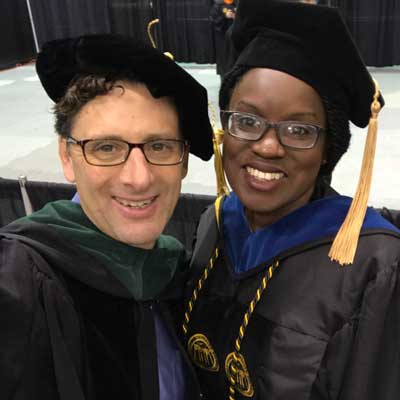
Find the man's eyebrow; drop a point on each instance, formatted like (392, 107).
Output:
(162, 135)
(106, 136)
(152, 136)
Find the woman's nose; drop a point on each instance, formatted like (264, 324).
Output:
(269, 146)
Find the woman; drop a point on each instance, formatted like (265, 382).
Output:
(271, 313)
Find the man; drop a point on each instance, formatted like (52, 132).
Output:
(86, 288)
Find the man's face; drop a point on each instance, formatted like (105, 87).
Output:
(131, 202)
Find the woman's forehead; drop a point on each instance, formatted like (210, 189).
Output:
(259, 85)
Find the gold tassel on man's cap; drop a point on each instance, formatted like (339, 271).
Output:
(344, 247)
(153, 43)
(222, 187)
(218, 134)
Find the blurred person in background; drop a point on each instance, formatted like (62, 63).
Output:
(222, 15)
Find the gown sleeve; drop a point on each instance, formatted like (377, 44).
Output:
(17, 316)
(362, 359)
(39, 331)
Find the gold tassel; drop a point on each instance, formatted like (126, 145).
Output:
(149, 26)
(153, 43)
(169, 55)
(218, 134)
(344, 246)
(222, 187)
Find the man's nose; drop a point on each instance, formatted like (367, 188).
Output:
(137, 171)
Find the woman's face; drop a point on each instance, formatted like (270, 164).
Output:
(271, 180)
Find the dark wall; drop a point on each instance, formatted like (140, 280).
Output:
(375, 25)
(184, 27)
(55, 19)
(17, 43)
(182, 224)
(131, 17)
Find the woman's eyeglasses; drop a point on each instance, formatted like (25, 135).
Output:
(291, 134)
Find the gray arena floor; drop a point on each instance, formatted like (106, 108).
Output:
(28, 141)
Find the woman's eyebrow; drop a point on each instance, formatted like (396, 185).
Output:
(254, 107)
(247, 105)
(300, 114)
(303, 114)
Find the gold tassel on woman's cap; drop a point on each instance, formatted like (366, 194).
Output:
(344, 246)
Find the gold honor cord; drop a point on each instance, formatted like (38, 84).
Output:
(235, 364)
(197, 289)
(200, 348)
(204, 276)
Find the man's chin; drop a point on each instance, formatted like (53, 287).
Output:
(138, 239)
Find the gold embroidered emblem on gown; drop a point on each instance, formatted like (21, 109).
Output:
(202, 353)
(238, 375)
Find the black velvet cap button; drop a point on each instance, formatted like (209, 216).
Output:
(119, 57)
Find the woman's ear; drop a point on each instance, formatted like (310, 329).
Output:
(327, 144)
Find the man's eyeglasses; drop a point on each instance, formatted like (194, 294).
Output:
(109, 152)
(291, 134)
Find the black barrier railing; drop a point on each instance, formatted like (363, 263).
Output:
(182, 224)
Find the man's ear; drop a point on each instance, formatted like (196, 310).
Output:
(66, 160)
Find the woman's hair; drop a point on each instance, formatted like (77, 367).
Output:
(337, 126)
(338, 135)
(80, 91)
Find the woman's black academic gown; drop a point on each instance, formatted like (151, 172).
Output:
(303, 327)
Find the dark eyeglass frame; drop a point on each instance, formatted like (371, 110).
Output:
(267, 125)
(82, 144)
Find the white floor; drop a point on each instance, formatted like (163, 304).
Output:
(28, 141)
